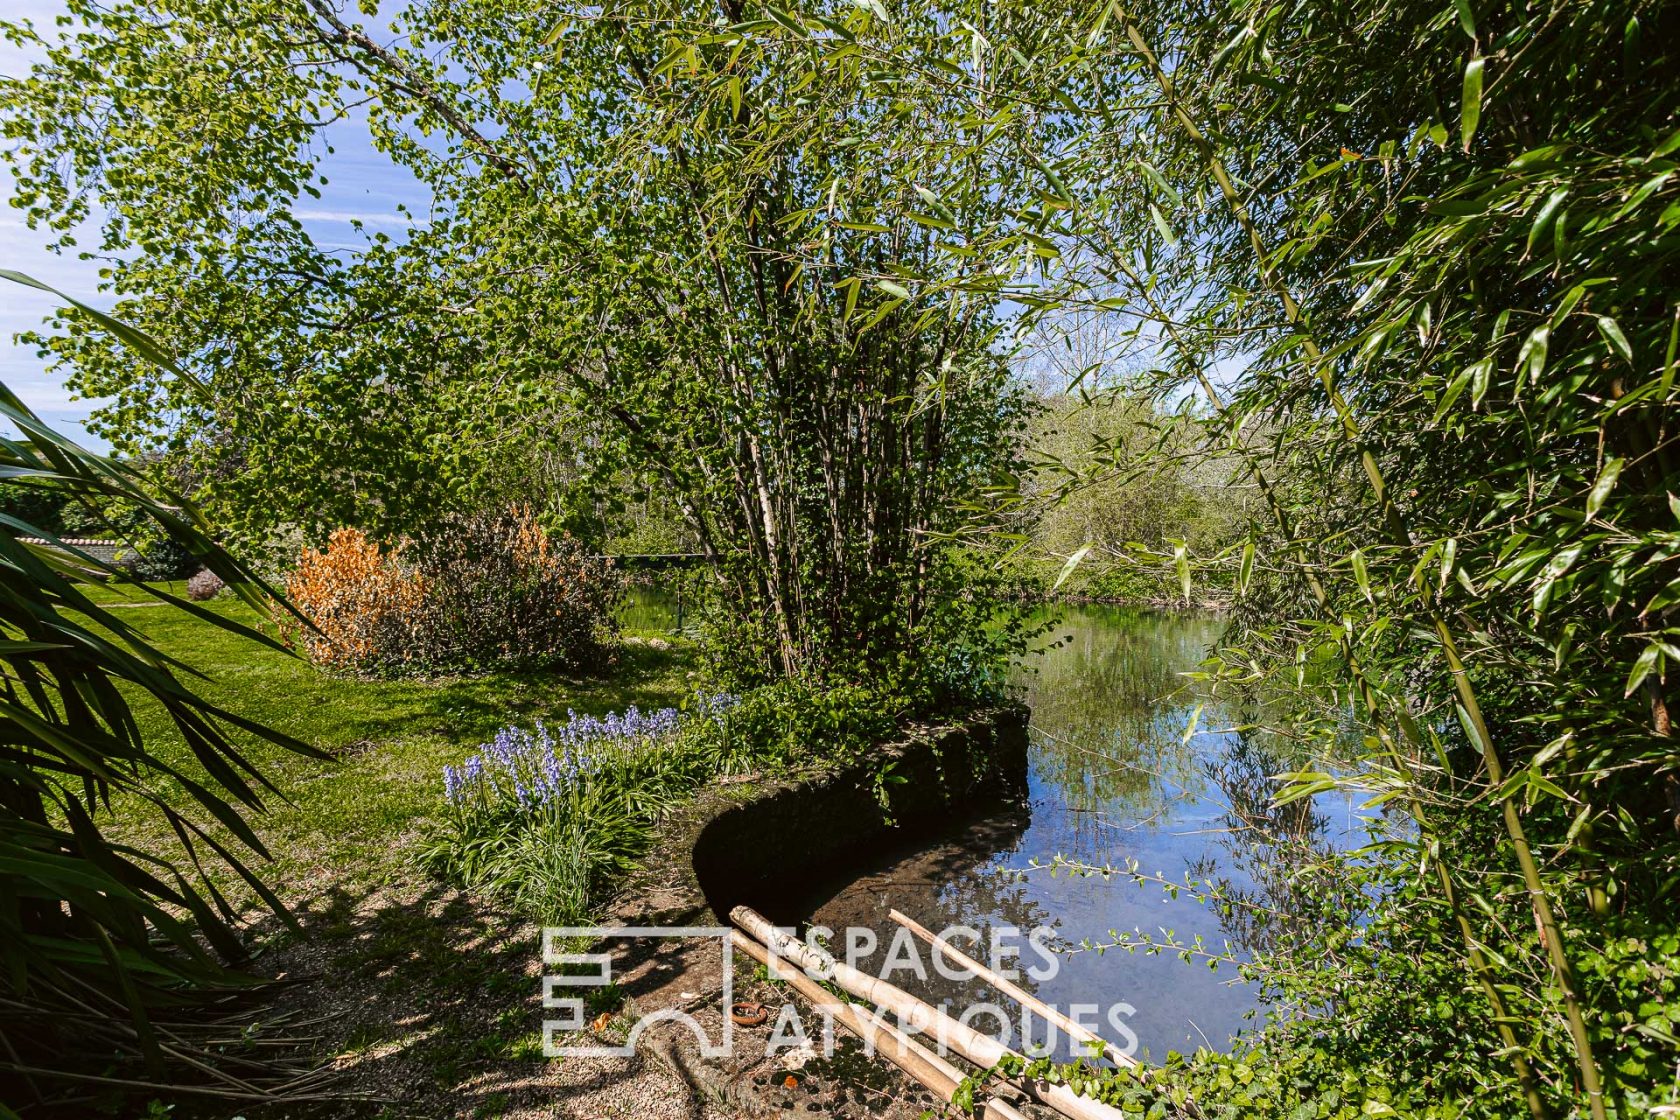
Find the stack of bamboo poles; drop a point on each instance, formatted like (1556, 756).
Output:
(760, 940)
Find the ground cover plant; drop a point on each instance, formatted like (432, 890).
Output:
(550, 816)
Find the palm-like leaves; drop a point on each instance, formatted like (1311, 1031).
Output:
(96, 938)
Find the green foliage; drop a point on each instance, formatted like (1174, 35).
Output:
(149, 553)
(1442, 392)
(698, 306)
(1145, 481)
(955, 655)
(1412, 260)
(1415, 261)
(303, 412)
(550, 818)
(1452, 501)
(790, 723)
(106, 948)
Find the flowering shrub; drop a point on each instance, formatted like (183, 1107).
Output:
(547, 814)
(204, 585)
(537, 766)
(502, 592)
(365, 603)
(481, 592)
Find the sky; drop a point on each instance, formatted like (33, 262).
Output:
(362, 183)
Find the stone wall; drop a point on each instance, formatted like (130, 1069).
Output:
(735, 840)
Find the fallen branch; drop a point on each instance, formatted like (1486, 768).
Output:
(1027, 999)
(922, 1065)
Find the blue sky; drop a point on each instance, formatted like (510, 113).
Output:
(362, 184)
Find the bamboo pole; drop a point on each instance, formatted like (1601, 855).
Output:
(922, 1065)
(1009, 988)
(1550, 936)
(981, 1049)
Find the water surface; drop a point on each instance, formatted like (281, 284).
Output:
(1113, 777)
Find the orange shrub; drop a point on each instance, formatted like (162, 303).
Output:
(481, 591)
(365, 604)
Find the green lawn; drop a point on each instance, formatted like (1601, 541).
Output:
(424, 997)
(359, 817)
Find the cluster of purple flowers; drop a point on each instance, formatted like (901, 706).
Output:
(533, 766)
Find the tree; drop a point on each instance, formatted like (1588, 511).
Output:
(724, 307)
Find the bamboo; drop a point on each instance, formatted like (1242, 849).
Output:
(1479, 963)
(1551, 937)
(1008, 987)
(922, 1065)
(981, 1049)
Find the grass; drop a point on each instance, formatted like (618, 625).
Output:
(362, 814)
(423, 994)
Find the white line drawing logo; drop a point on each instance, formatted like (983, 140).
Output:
(572, 1006)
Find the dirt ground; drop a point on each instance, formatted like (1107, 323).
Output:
(427, 1003)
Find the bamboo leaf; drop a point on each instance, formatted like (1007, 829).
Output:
(1543, 219)
(1649, 661)
(1361, 575)
(1531, 356)
(1472, 101)
(1480, 374)
(1072, 563)
(1190, 727)
(1613, 335)
(1161, 226)
(1466, 19)
(1601, 489)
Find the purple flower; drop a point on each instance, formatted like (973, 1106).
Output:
(543, 764)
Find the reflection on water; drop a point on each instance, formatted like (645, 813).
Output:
(1113, 777)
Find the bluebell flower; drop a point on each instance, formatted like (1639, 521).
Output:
(542, 764)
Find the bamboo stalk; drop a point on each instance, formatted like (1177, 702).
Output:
(1479, 962)
(922, 1065)
(1008, 987)
(1562, 969)
(981, 1049)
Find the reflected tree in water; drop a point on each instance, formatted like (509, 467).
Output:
(1279, 881)
(1110, 704)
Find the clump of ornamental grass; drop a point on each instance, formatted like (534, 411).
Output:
(549, 815)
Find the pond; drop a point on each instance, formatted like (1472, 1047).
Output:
(1113, 776)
